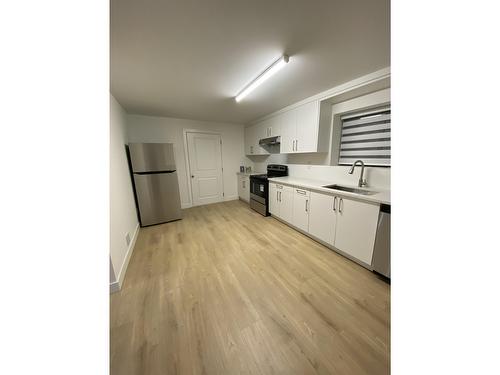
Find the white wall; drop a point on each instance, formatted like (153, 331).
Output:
(123, 215)
(165, 129)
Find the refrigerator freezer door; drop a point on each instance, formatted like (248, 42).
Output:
(152, 157)
(157, 197)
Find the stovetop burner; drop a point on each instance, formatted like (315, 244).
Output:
(273, 170)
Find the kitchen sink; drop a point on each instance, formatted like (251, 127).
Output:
(350, 189)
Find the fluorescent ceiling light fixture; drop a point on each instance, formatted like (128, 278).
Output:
(274, 68)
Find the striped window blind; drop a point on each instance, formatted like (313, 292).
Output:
(366, 136)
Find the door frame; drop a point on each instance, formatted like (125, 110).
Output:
(188, 165)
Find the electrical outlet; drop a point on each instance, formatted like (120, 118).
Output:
(127, 238)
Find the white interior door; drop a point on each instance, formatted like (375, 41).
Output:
(205, 165)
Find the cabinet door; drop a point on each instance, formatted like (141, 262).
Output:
(307, 127)
(274, 127)
(266, 128)
(323, 216)
(248, 141)
(262, 129)
(286, 203)
(356, 228)
(301, 209)
(246, 188)
(240, 187)
(287, 125)
(259, 133)
(273, 200)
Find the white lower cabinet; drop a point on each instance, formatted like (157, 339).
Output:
(244, 187)
(346, 224)
(323, 217)
(281, 201)
(286, 203)
(273, 199)
(356, 228)
(300, 214)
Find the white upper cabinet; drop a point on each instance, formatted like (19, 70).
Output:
(261, 130)
(300, 128)
(273, 127)
(307, 121)
(288, 131)
(248, 141)
(253, 134)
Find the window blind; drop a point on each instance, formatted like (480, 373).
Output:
(366, 136)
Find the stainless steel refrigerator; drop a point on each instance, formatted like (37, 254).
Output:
(155, 182)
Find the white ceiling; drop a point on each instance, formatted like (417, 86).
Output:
(189, 58)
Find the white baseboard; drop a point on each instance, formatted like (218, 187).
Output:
(186, 205)
(231, 198)
(117, 285)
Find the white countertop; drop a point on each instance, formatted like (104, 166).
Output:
(382, 196)
(249, 173)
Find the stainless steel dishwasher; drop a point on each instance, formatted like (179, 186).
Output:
(381, 261)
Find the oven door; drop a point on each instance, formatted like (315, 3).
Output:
(258, 190)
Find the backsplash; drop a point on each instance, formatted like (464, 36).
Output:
(315, 167)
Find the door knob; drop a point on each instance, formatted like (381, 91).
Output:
(192, 176)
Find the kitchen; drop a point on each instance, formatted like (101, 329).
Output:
(215, 187)
(259, 211)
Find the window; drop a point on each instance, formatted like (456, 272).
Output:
(366, 136)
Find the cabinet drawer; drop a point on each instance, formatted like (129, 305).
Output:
(284, 187)
(300, 191)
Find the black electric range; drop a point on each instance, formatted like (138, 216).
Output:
(259, 187)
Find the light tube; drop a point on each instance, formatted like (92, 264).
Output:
(274, 68)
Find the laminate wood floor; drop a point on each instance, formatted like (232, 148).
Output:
(227, 291)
